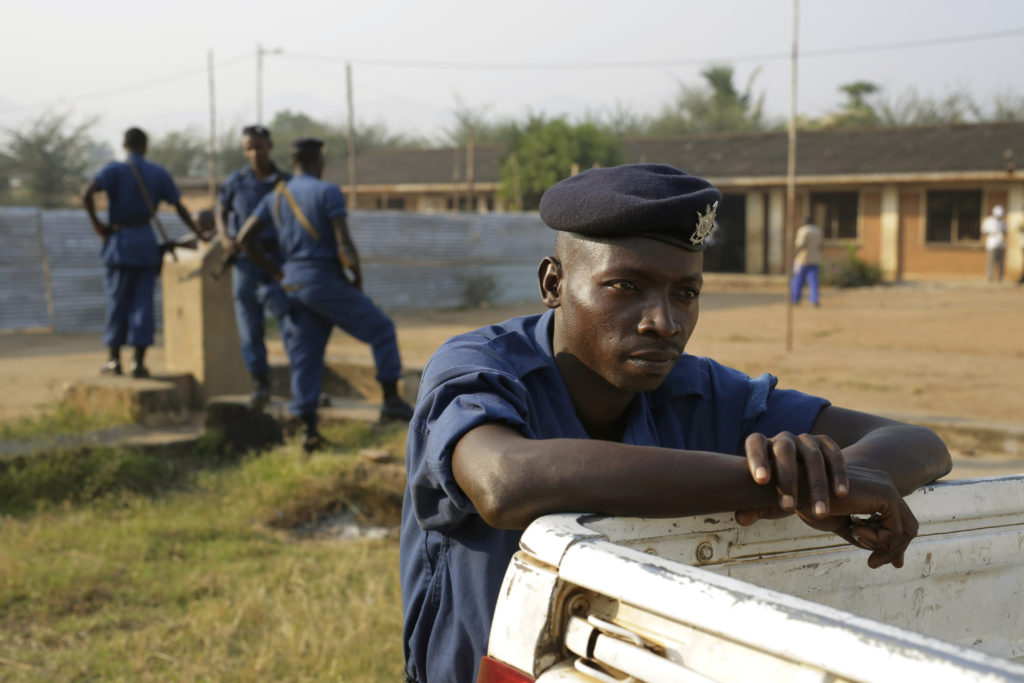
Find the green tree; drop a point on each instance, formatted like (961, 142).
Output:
(542, 152)
(856, 110)
(182, 152)
(716, 107)
(914, 109)
(51, 158)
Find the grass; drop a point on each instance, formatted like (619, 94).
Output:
(62, 419)
(196, 576)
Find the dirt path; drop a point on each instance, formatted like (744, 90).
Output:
(952, 350)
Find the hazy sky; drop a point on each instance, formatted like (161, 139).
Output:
(143, 63)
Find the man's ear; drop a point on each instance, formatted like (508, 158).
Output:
(549, 277)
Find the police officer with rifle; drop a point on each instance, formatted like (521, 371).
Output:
(131, 254)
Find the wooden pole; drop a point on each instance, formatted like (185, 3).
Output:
(352, 183)
(791, 180)
(469, 167)
(259, 83)
(516, 184)
(213, 132)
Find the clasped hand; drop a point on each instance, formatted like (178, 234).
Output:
(814, 481)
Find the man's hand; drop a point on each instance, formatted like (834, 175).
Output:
(886, 534)
(809, 461)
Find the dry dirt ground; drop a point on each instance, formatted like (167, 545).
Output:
(948, 350)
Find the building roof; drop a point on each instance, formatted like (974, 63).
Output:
(961, 148)
(418, 166)
(862, 151)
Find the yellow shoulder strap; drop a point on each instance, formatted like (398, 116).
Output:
(281, 189)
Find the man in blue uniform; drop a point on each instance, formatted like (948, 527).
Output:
(241, 192)
(130, 253)
(593, 406)
(323, 280)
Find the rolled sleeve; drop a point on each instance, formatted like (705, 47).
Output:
(335, 202)
(444, 414)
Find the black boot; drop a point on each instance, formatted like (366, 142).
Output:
(311, 439)
(112, 366)
(395, 409)
(260, 392)
(138, 363)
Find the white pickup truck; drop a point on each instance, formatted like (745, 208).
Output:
(594, 598)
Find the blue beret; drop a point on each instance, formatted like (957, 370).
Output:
(306, 144)
(636, 200)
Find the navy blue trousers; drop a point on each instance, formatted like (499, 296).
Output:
(129, 306)
(808, 274)
(249, 315)
(315, 310)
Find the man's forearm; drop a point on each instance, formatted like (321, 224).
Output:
(513, 486)
(186, 218)
(913, 456)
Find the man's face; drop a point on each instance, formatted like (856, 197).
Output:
(626, 309)
(257, 151)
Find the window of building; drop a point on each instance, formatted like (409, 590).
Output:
(954, 216)
(836, 214)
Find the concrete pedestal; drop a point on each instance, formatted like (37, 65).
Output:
(200, 337)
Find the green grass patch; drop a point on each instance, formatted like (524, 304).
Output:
(203, 580)
(62, 419)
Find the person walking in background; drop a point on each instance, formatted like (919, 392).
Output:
(130, 252)
(323, 279)
(806, 262)
(993, 229)
(241, 192)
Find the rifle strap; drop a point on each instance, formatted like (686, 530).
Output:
(146, 198)
(281, 189)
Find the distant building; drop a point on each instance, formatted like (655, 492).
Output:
(909, 199)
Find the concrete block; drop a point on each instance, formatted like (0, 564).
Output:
(152, 402)
(200, 337)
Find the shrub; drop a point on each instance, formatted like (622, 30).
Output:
(852, 271)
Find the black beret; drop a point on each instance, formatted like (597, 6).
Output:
(256, 131)
(303, 144)
(635, 200)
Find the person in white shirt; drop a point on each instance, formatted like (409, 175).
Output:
(993, 229)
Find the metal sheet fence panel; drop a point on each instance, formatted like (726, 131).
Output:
(22, 286)
(409, 261)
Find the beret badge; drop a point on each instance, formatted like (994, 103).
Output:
(705, 224)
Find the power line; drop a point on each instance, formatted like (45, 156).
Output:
(647, 64)
(145, 85)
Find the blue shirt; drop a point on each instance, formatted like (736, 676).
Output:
(134, 244)
(452, 562)
(242, 192)
(305, 256)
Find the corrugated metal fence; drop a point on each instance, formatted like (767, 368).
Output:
(51, 277)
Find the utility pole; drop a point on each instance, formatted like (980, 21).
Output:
(352, 184)
(260, 52)
(791, 181)
(213, 131)
(470, 144)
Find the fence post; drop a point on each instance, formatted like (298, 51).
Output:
(44, 261)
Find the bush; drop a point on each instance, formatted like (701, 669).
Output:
(852, 271)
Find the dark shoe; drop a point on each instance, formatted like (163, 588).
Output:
(395, 409)
(139, 370)
(111, 367)
(312, 441)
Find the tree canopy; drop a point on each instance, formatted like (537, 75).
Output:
(542, 152)
(51, 158)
